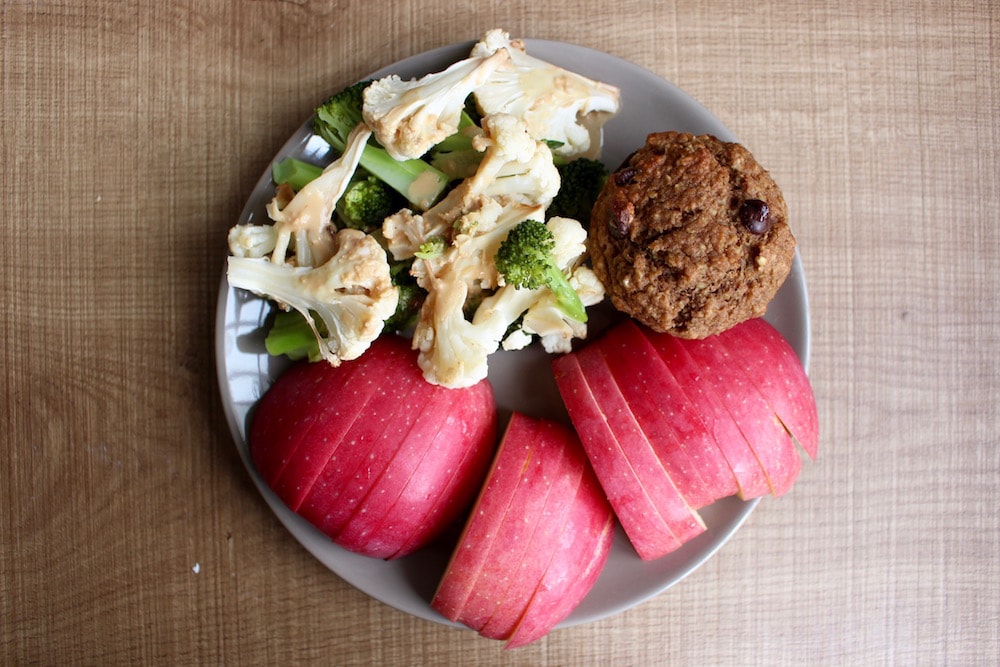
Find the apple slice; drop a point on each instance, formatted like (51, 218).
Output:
(516, 532)
(673, 426)
(511, 564)
(650, 474)
(453, 474)
(491, 506)
(344, 394)
(770, 364)
(690, 376)
(545, 538)
(366, 448)
(378, 402)
(756, 420)
(393, 508)
(574, 566)
(638, 514)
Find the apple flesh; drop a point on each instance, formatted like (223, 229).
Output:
(361, 454)
(513, 568)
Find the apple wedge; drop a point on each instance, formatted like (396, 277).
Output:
(674, 427)
(573, 568)
(756, 420)
(494, 501)
(527, 524)
(367, 447)
(750, 476)
(770, 365)
(374, 418)
(650, 473)
(637, 512)
(544, 540)
(393, 514)
(508, 557)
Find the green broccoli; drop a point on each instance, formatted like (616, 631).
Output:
(295, 172)
(455, 155)
(366, 203)
(290, 335)
(416, 180)
(581, 182)
(525, 259)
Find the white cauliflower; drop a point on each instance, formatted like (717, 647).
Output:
(515, 169)
(556, 105)
(302, 224)
(454, 349)
(351, 292)
(408, 117)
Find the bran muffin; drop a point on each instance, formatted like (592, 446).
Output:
(690, 235)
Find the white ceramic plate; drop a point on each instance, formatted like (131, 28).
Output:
(521, 380)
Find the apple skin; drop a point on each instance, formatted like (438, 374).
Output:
(513, 567)
(376, 415)
(672, 424)
(729, 401)
(649, 472)
(770, 365)
(646, 529)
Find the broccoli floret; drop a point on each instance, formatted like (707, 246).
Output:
(581, 181)
(366, 203)
(416, 180)
(525, 260)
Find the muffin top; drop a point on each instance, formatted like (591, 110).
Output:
(690, 235)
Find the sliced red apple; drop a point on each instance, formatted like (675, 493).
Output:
(516, 531)
(366, 428)
(366, 448)
(770, 365)
(650, 474)
(391, 510)
(647, 531)
(491, 506)
(507, 559)
(548, 530)
(690, 376)
(573, 568)
(756, 420)
(674, 427)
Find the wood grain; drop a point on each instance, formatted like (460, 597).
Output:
(133, 132)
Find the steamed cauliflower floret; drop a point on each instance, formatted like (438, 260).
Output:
(556, 104)
(515, 169)
(302, 224)
(538, 309)
(408, 117)
(454, 349)
(352, 292)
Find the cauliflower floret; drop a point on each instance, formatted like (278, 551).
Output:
(352, 292)
(556, 104)
(409, 116)
(515, 169)
(303, 222)
(454, 350)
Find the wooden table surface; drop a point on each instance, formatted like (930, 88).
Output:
(134, 132)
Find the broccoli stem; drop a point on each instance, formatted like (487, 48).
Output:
(417, 180)
(290, 335)
(295, 173)
(569, 300)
